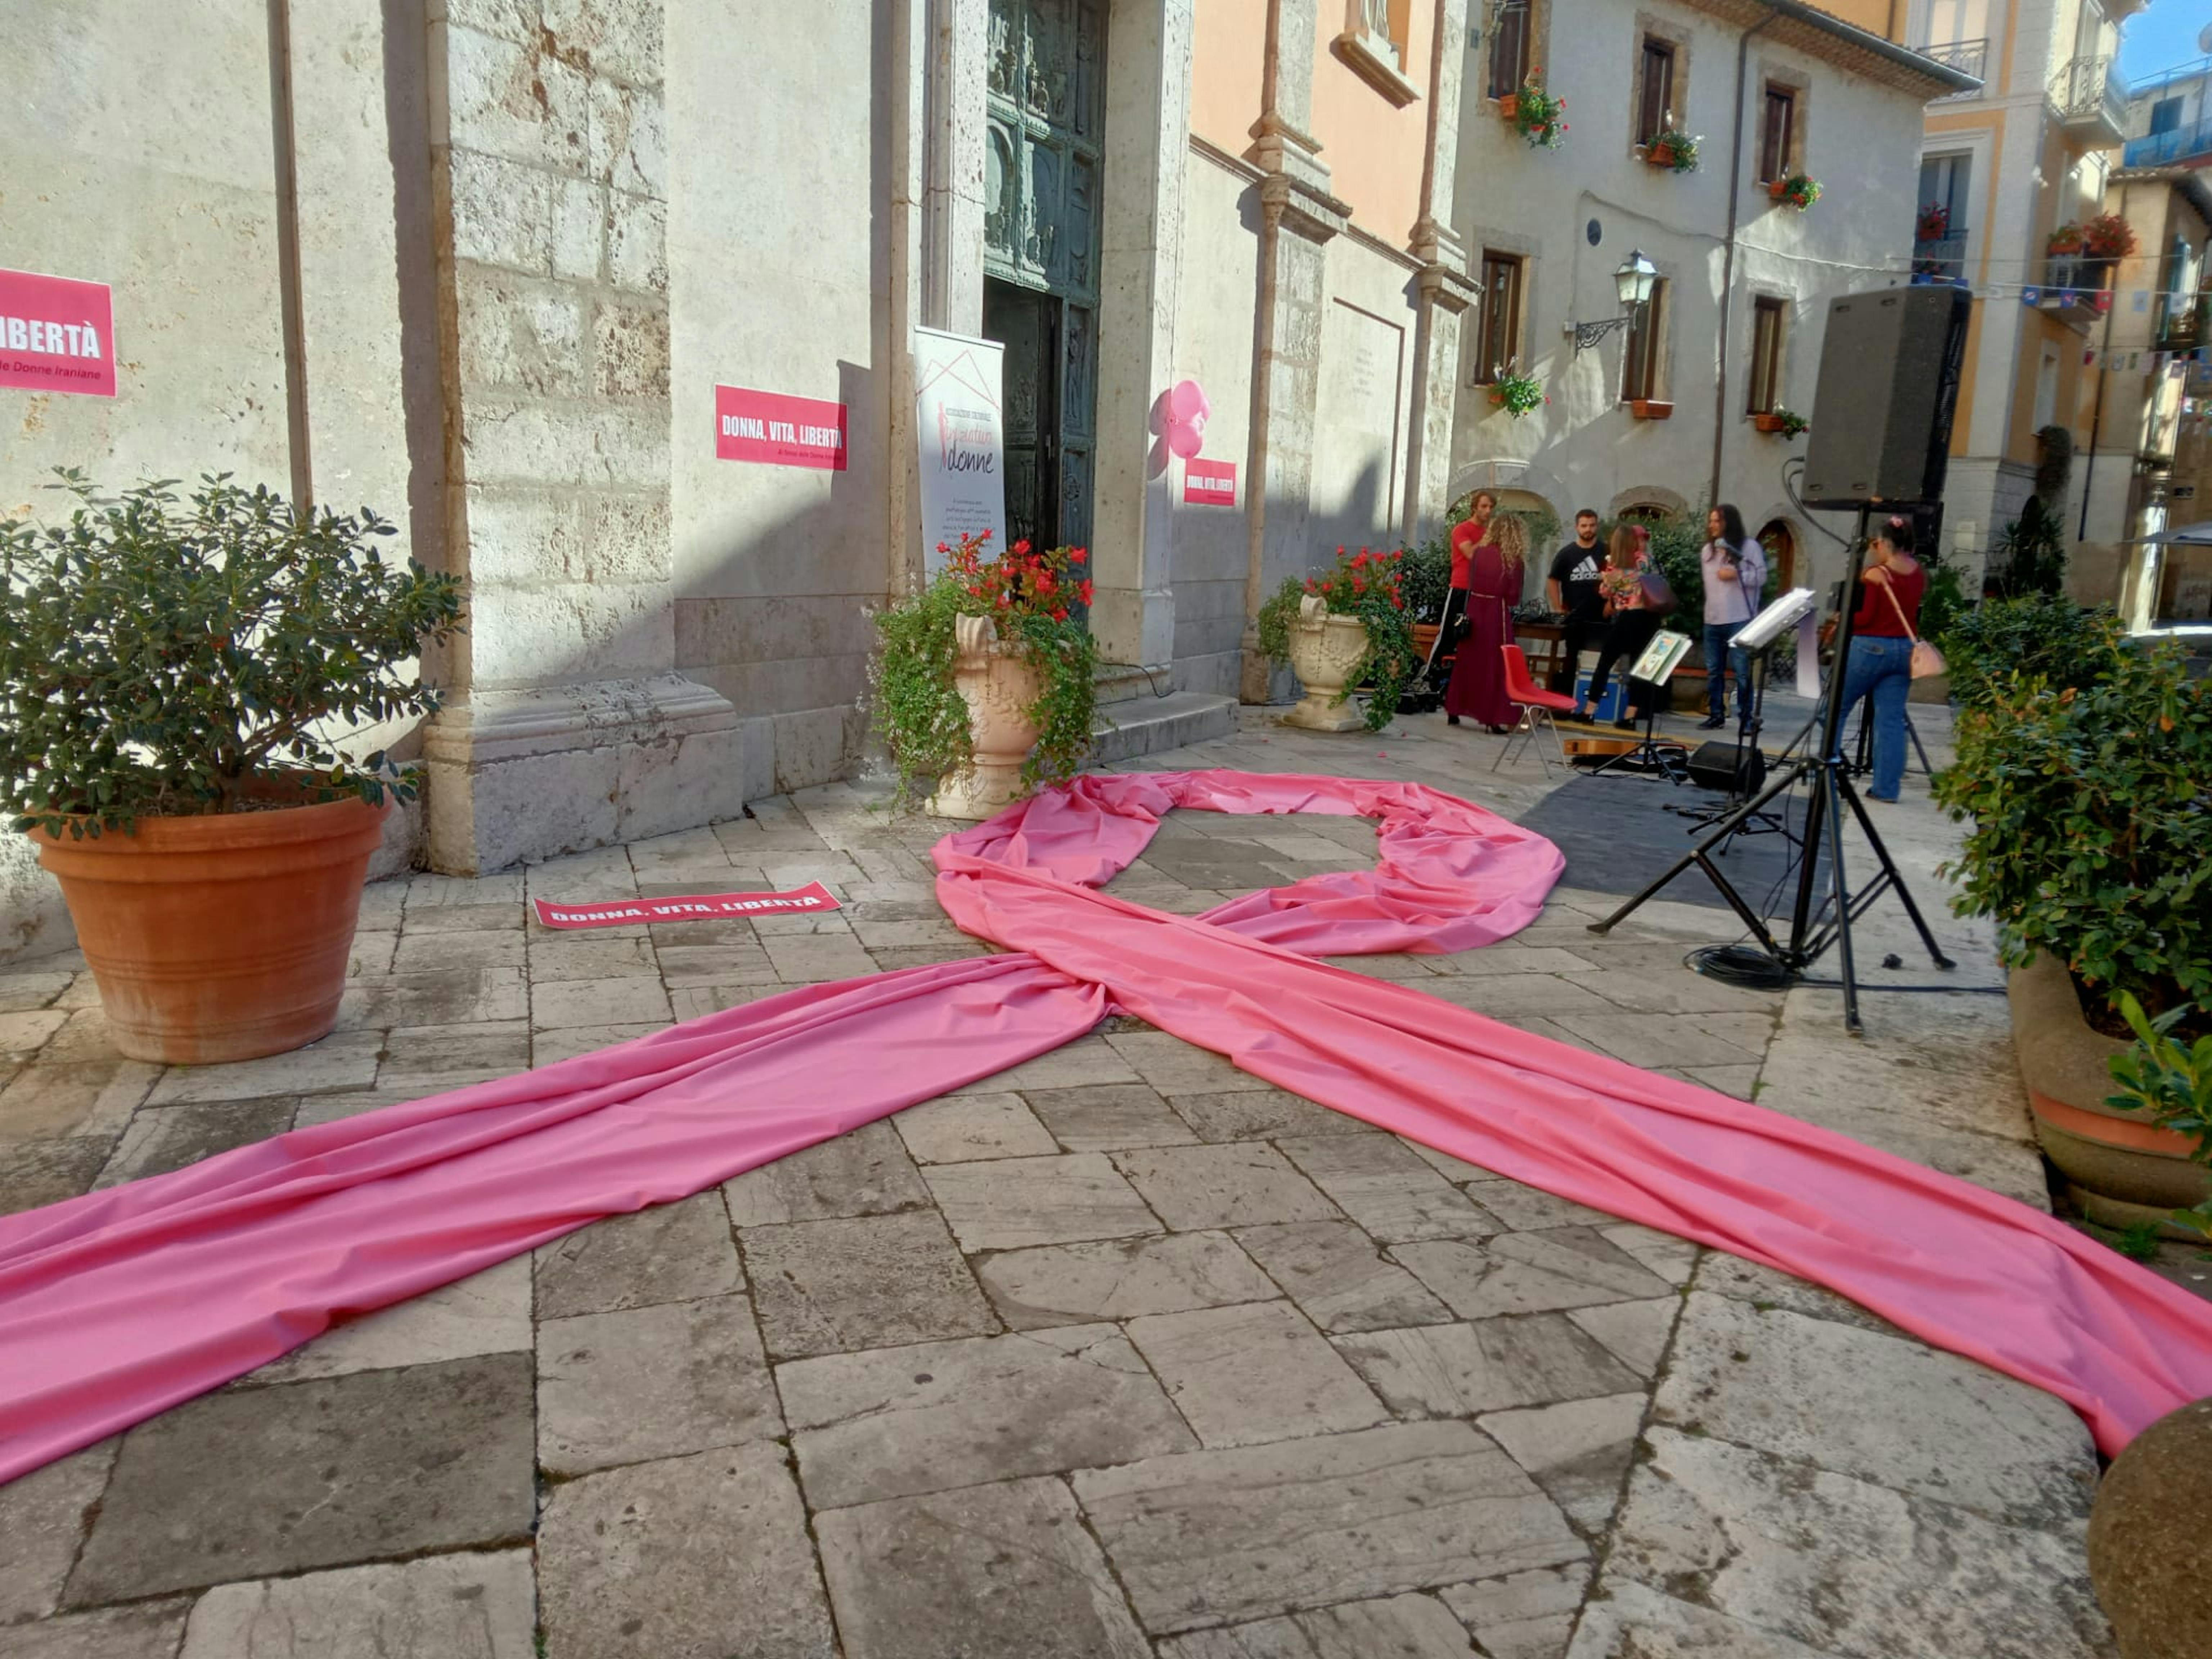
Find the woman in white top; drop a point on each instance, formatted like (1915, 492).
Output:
(1735, 569)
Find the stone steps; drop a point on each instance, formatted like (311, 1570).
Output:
(1131, 727)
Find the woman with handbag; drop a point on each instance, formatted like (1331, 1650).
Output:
(1637, 599)
(1486, 585)
(1883, 667)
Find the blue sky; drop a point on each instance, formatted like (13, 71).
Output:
(2162, 36)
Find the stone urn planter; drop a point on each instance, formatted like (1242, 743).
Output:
(2120, 1168)
(222, 937)
(1000, 689)
(2147, 1556)
(1325, 649)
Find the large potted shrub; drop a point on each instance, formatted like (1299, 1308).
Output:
(986, 680)
(1346, 628)
(178, 678)
(2087, 789)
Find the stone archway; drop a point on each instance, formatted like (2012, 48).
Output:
(1649, 498)
(1784, 542)
(1507, 475)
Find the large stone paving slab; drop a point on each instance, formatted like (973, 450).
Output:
(1119, 1278)
(696, 1558)
(669, 1253)
(488, 1312)
(43, 1516)
(1224, 1537)
(1529, 1273)
(648, 1383)
(865, 1172)
(149, 1631)
(240, 1484)
(897, 1422)
(1258, 1372)
(1389, 1192)
(1847, 1567)
(1243, 1184)
(1012, 1203)
(1884, 1408)
(864, 1282)
(1487, 1365)
(1004, 1572)
(455, 1606)
(1336, 1273)
(1399, 1627)
(1578, 1450)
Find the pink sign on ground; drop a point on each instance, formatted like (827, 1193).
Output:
(768, 427)
(704, 907)
(1209, 483)
(57, 334)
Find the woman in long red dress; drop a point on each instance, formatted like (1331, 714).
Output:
(1486, 583)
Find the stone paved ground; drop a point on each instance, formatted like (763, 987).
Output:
(1119, 1354)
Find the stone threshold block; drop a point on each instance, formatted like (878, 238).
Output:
(532, 774)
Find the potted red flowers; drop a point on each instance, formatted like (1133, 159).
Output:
(1934, 223)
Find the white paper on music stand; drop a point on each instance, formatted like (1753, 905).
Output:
(1661, 658)
(1799, 606)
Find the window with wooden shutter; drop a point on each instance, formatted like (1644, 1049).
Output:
(1498, 341)
(1509, 49)
(1641, 371)
(1778, 134)
(1768, 320)
(1656, 93)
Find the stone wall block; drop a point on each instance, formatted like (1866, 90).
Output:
(630, 351)
(513, 101)
(566, 443)
(618, 40)
(522, 536)
(536, 807)
(519, 335)
(678, 782)
(579, 232)
(503, 213)
(510, 20)
(627, 538)
(569, 634)
(630, 139)
(637, 238)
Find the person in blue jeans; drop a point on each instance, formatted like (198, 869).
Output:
(1735, 569)
(1881, 666)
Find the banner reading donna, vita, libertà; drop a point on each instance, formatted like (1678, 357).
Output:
(960, 431)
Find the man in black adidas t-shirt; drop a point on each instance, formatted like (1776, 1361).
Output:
(1573, 588)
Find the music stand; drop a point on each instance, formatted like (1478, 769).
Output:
(1758, 637)
(1655, 666)
(1772, 964)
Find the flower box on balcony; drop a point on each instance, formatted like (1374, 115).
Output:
(1509, 107)
(1649, 409)
(1767, 422)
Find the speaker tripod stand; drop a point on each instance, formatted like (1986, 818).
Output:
(1771, 963)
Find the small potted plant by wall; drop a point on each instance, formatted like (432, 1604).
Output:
(1785, 422)
(2081, 760)
(1934, 223)
(986, 680)
(1534, 114)
(1672, 151)
(1516, 394)
(1796, 191)
(178, 679)
(1345, 627)
(2105, 240)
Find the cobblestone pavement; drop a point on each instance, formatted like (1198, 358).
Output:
(1119, 1354)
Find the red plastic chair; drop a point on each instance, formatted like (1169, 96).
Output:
(1535, 703)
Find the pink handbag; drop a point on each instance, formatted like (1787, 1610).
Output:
(1927, 661)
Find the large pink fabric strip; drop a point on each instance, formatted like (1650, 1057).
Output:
(117, 1304)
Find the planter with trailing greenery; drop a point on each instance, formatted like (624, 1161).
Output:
(1348, 627)
(1796, 191)
(177, 677)
(1517, 394)
(1672, 151)
(1535, 114)
(985, 681)
(1782, 423)
(2083, 761)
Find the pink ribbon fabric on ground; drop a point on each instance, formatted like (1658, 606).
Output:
(119, 1304)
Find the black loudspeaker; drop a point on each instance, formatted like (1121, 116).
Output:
(1889, 383)
(1713, 766)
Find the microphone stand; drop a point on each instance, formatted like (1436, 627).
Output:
(1771, 963)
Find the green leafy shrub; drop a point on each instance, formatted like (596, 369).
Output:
(1538, 116)
(1943, 602)
(2091, 823)
(1517, 394)
(1371, 587)
(2171, 1084)
(1423, 578)
(161, 656)
(2040, 637)
(2032, 554)
(1031, 598)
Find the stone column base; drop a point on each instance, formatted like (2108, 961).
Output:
(516, 776)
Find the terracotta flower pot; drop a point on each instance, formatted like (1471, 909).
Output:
(1508, 106)
(1775, 187)
(2122, 1169)
(1000, 689)
(1766, 422)
(222, 937)
(1324, 650)
(1649, 409)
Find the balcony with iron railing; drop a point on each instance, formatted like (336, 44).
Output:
(2091, 102)
(2176, 147)
(1941, 256)
(1968, 57)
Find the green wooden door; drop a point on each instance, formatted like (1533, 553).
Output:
(1047, 109)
